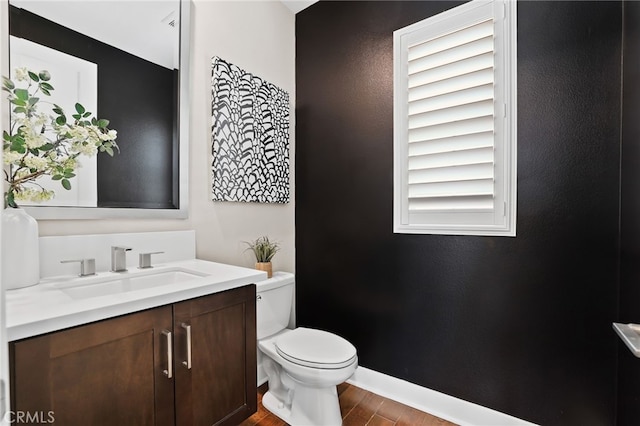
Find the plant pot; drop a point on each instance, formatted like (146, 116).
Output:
(265, 266)
(20, 249)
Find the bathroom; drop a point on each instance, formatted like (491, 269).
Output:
(519, 325)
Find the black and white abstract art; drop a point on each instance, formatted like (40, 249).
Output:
(250, 137)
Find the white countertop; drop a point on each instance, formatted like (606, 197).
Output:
(46, 307)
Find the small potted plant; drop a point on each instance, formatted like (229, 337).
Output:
(264, 250)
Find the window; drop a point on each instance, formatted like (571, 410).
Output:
(455, 122)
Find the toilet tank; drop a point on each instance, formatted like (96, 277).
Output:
(274, 301)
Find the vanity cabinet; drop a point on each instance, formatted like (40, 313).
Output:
(105, 373)
(215, 341)
(190, 363)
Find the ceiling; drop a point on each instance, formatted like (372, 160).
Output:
(140, 27)
(130, 25)
(297, 5)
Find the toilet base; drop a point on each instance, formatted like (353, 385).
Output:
(310, 406)
(276, 407)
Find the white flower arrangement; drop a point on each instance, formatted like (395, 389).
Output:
(39, 144)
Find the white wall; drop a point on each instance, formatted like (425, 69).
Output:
(260, 38)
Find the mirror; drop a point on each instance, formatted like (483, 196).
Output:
(139, 52)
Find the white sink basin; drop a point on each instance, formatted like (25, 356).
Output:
(97, 287)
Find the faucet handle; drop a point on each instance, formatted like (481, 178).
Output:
(87, 266)
(144, 259)
(113, 248)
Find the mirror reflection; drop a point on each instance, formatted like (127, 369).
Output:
(121, 61)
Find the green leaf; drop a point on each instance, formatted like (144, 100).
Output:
(22, 94)
(61, 120)
(44, 75)
(109, 151)
(56, 177)
(20, 102)
(19, 110)
(44, 85)
(8, 84)
(66, 184)
(10, 200)
(33, 76)
(102, 123)
(46, 92)
(6, 136)
(18, 148)
(86, 114)
(77, 116)
(80, 108)
(58, 110)
(17, 145)
(33, 101)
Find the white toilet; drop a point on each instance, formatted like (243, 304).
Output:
(303, 365)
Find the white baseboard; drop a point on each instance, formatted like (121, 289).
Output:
(438, 404)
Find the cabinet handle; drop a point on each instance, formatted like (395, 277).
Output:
(169, 371)
(187, 363)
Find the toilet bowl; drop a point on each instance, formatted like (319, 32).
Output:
(303, 365)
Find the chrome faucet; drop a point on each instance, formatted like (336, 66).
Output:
(119, 258)
(87, 266)
(144, 259)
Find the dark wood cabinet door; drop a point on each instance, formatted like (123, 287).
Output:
(105, 373)
(220, 386)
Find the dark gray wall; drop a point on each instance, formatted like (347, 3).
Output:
(629, 366)
(521, 325)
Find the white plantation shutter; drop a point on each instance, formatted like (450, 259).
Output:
(451, 125)
(453, 171)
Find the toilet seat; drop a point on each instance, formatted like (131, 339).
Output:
(315, 348)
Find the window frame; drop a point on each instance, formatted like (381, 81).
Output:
(502, 220)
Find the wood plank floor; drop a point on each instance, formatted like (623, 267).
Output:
(359, 408)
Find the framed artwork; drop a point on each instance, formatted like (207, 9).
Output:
(250, 137)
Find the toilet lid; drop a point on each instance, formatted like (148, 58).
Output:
(315, 348)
